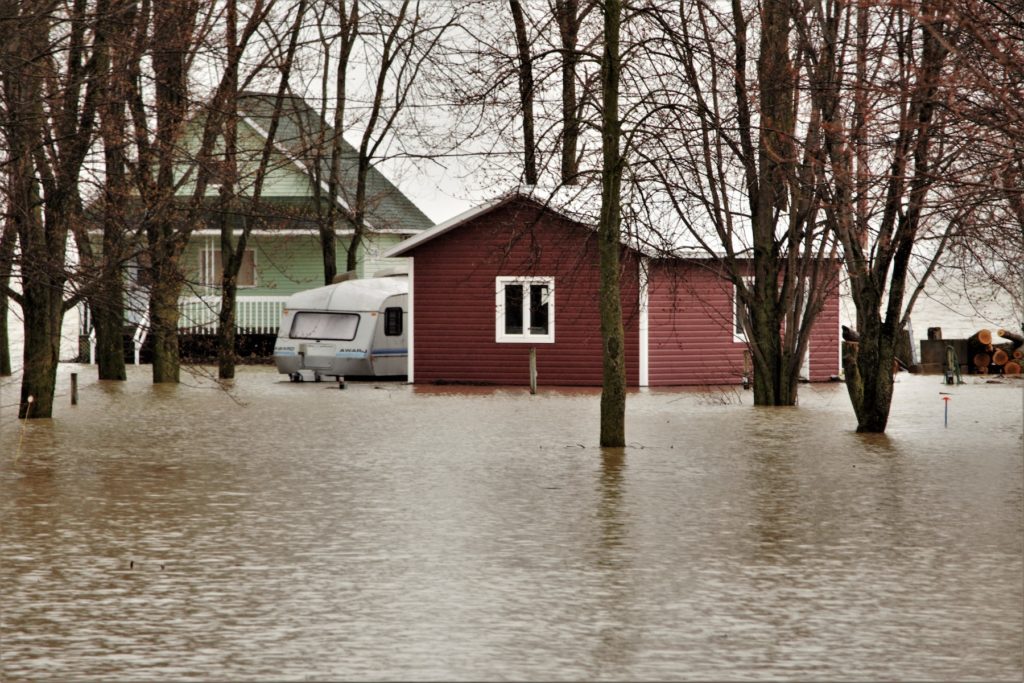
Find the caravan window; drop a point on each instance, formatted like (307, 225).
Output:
(338, 326)
(392, 321)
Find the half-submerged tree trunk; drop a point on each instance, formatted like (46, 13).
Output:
(867, 365)
(613, 391)
(107, 304)
(48, 133)
(232, 252)
(878, 263)
(774, 384)
(107, 309)
(163, 316)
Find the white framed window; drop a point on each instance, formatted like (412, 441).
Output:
(211, 268)
(739, 312)
(525, 310)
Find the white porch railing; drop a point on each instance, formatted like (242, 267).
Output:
(253, 314)
(198, 315)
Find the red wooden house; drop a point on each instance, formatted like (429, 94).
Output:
(515, 274)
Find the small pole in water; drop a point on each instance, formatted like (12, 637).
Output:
(945, 419)
(74, 388)
(533, 370)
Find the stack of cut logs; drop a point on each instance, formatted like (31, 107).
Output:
(988, 359)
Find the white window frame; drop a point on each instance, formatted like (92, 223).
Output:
(210, 276)
(738, 334)
(526, 336)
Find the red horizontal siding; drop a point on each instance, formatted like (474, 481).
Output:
(690, 309)
(454, 303)
(825, 346)
(690, 323)
(690, 339)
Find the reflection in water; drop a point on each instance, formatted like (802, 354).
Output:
(613, 461)
(394, 532)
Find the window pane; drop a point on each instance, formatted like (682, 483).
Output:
(538, 309)
(513, 309)
(739, 315)
(340, 326)
(392, 321)
(211, 268)
(247, 270)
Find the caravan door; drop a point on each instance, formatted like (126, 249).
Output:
(389, 353)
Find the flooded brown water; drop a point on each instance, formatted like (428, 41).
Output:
(299, 532)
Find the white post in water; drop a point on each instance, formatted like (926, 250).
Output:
(533, 370)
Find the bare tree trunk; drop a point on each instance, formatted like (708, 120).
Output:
(878, 270)
(107, 304)
(613, 392)
(231, 258)
(173, 27)
(328, 211)
(233, 254)
(107, 309)
(568, 18)
(164, 314)
(525, 92)
(48, 135)
(773, 384)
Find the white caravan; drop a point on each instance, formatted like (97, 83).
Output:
(351, 328)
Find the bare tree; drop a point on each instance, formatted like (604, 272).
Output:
(878, 194)
(234, 238)
(330, 152)
(613, 391)
(986, 250)
(403, 43)
(178, 31)
(49, 96)
(115, 41)
(727, 155)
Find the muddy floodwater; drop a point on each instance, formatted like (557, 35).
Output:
(300, 532)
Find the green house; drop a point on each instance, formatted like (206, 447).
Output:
(283, 254)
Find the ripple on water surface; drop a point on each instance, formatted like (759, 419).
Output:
(396, 532)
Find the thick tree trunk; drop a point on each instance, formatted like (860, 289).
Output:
(329, 251)
(613, 393)
(525, 93)
(352, 258)
(774, 378)
(43, 314)
(567, 14)
(108, 319)
(107, 307)
(163, 317)
(868, 365)
(226, 358)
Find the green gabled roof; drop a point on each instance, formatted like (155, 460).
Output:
(300, 130)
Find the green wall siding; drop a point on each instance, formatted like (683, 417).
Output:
(286, 264)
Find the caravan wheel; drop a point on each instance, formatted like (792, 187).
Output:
(295, 377)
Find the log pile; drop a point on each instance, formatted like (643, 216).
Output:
(986, 358)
